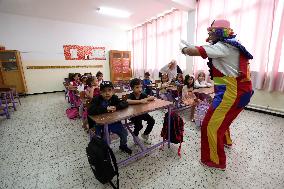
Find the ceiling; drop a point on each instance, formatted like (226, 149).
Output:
(83, 11)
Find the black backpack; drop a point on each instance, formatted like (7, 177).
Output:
(102, 161)
(176, 131)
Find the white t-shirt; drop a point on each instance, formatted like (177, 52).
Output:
(81, 87)
(225, 58)
(201, 84)
(172, 74)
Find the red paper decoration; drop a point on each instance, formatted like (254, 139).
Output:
(77, 52)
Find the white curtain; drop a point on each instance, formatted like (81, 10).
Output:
(259, 26)
(156, 43)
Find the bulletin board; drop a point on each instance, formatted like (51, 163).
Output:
(77, 52)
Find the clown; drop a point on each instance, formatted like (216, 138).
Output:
(229, 69)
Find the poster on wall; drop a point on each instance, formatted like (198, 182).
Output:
(77, 52)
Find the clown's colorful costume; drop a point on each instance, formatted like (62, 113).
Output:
(229, 69)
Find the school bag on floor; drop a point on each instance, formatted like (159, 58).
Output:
(102, 161)
(176, 130)
(200, 112)
(72, 113)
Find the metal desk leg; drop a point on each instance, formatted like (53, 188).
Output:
(169, 126)
(135, 138)
(13, 100)
(106, 134)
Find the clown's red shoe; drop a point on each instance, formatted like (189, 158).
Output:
(214, 165)
(228, 145)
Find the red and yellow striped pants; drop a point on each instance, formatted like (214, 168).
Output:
(231, 96)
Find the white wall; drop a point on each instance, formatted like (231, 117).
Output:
(270, 100)
(41, 43)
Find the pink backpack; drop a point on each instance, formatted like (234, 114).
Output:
(72, 113)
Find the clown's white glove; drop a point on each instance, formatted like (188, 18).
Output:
(183, 45)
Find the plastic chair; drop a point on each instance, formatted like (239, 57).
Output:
(16, 95)
(8, 97)
(4, 108)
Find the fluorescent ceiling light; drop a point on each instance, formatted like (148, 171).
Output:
(113, 12)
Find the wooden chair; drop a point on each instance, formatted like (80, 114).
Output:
(16, 95)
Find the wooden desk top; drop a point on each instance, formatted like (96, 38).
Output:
(131, 111)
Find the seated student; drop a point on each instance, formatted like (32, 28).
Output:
(99, 76)
(188, 96)
(92, 88)
(72, 89)
(88, 74)
(74, 81)
(107, 101)
(163, 93)
(200, 82)
(146, 82)
(179, 79)
(137, 97)
(82, 84)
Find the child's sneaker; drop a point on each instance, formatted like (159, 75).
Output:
(125, 149)
(146, 139)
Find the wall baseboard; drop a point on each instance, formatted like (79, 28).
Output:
(40, 93)
(264, 111)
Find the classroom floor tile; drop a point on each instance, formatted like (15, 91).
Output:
(41, 148)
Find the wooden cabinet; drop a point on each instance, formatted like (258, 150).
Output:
(120, 65)
(11, 70)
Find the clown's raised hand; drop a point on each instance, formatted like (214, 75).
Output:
(188, 49)
(184, 45)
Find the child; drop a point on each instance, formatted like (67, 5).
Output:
(75, 81)
(99, 76)
(88, 74)
(188, 96)
(108, 102)
(146, 83)
(179, 79)
(82, 85)
(137, 97)
(200, 82)
(163, 93)
(72, 88)
(92, 88)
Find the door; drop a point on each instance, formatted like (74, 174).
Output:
(126, 66)
(116, 65)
